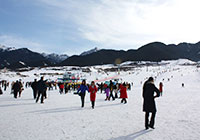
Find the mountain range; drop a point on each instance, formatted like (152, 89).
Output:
(156, 51)
(55, 58)
(18, 58)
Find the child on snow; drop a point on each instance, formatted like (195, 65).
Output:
(107, 91)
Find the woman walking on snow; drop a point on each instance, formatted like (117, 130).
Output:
(93, 90)
(123, 93)
(82, 91)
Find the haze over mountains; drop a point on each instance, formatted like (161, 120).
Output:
(18, 58)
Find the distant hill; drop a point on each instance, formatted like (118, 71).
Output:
(155, 51)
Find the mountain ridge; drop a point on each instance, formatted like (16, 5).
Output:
(155, 51)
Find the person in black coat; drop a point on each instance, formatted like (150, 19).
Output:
(101, 87)
(21, 88)
(149, 105)
(34, 86)
(16, 87)
(41, 86)
(111, 90)
(1, 92)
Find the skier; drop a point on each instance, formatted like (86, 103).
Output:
(82, 91)
(107, 91)
(34, 87)
(41, 90)
(123, 93)
(93, 89)
(161, 88)
(149, 105)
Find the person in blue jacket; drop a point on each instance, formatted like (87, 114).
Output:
(82, 91)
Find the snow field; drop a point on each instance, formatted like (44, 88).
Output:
(62, 118)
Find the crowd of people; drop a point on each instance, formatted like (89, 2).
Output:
(111, 90)
(40, 88)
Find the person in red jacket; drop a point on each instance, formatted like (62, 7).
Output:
(92, 90)
(161, 88)
(123, 93)
(61, 88)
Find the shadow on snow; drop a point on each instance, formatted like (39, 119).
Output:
(132, 136)
(69, 109)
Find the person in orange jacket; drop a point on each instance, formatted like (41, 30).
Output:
(93, 90)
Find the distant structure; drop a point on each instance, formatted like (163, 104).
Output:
(69, 77)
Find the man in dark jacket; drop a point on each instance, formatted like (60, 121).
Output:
(16, 87)
(111, 90)
(149, 105)
(41, 86)
(21, 87)
(34, 87)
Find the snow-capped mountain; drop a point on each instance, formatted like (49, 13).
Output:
(22, 57)
(89, 52)
(19, 58)
(4, 48)
(55, 58)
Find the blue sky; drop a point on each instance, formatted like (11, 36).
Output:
(73, 26)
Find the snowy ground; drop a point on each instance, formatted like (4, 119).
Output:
(61, 118)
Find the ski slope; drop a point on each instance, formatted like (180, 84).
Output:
(62, 118)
